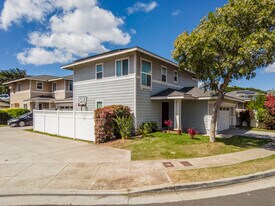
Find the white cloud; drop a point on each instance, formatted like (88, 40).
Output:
(139, 6)
(72, 28)
(175, 13)
(133, 31)
(270, 68)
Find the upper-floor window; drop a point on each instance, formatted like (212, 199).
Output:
(71, 85)
(122, 67)
(39, 85)
(176, 76)
(163, 74)
(146, 73)
(99, 71)
(18, 87)
(54, 86)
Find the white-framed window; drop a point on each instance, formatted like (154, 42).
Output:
(39, 85)
(25, 106)
(122, 67)
(98, 104)
(176, 76)
(146, 73)
(99, 71)
(70, 85)
(54, 86)
(163, 74)
(18, 87)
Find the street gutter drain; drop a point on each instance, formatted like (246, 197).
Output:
(167, 164)
(186, 163)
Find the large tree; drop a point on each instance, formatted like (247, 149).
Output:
(230, 43)
(9, 75)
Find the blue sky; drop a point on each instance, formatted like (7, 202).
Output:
(40, 37)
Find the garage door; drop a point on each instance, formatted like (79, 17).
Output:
(224, 118)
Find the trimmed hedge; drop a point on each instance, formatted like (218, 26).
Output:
(105, 126)
(7, 114)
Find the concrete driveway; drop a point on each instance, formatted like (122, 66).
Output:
(20, 146)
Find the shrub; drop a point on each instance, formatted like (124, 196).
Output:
(7, 114)
(269, 121)
(105, 126)
(16, 112)
(125, 126)
(148, 127)
(192, 132)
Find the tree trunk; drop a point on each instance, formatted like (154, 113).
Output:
(216, 108)
(214, 118)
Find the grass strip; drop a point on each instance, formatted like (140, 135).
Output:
(214, 173)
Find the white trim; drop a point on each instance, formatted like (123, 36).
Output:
(179, 97)
(40, 92)
(21, 92)
(166, 76)
(135, 89)
(99, 72)
(37, 84)
(145, 86)
(107, 79)
(119, 53)
(121, 59)
(169, 84)
(98, 100)
(174, 76)
(69, 85)
(226, 97)
(55, 86)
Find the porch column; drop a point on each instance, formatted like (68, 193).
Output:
(36, 105)
(177, 114)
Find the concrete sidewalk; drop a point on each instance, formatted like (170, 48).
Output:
(43, 163)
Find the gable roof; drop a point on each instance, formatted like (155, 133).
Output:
(115, 53)
(190, 93)
(42, 78)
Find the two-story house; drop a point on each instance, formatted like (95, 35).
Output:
(41, 92)
(152, 86)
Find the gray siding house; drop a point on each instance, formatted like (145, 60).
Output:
(152, 86)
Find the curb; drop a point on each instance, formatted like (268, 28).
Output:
(209, 184)
(157, 189)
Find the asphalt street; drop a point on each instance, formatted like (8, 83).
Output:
(264, 197)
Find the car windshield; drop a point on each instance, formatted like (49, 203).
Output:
(25, 115)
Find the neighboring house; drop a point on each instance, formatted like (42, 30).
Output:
(247, 95)
(41, 92)
(4, 104)
(152, 86)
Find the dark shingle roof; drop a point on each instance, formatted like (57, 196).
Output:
(186, 91)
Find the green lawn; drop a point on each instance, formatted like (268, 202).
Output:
(172, 146)
(2, 125)
(213, 173)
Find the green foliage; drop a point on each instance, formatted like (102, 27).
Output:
(9, 75)
(269, 121)
(125, 126)
(236, 88)
(230, 43)
(105, 126)
(148, 127)
(257, 103)
(7, 114)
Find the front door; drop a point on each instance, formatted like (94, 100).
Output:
(165, 112)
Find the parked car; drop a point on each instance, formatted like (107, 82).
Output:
(23, 120)
(4, 97)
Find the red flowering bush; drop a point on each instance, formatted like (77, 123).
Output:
(168, 123)
(105, 126)
(270, 104)
(192, 132)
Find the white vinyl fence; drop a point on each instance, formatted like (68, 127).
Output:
(73, 124)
